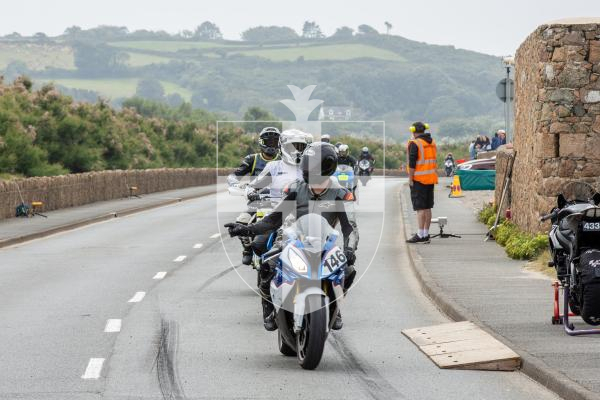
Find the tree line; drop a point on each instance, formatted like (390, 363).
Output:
(206, 31)
(43, 132)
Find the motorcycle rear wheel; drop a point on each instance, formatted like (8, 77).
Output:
(310, 341)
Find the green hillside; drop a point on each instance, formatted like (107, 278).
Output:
(377, 76)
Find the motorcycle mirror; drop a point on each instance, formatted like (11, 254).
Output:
(596, 198)
(561, 201)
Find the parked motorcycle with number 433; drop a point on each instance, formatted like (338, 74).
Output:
(574, 241)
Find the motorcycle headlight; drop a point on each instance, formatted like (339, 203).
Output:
(298, 262)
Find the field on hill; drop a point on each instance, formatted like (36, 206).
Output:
(338, 52)
(37, 56)
(117, 88)
(168, 46)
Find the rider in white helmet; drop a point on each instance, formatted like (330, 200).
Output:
(277, 174)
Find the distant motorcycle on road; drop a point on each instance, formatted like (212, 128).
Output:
(449, 167)
(574, 241)
(307, 289)
(365, 168)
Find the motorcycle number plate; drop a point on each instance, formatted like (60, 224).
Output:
(343, 177)
(335, 259)
(591, 226)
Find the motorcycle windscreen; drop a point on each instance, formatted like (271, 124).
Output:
(313, 231)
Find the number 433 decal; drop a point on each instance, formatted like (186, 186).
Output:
(591, 226)
(335, 260)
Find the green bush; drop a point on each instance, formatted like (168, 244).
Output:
(488, 211)
(518, 244)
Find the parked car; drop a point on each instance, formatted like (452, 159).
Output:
(478, 165)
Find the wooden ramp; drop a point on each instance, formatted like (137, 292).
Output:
(463, 345)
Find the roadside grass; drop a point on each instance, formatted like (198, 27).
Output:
(37, 56)
(5, 176)
(518, 245)
(326, 52)
(540, 264)
(117, 88)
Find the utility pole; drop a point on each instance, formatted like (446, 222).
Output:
(509, 63)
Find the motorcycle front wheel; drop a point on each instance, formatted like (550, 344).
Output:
(310, 341)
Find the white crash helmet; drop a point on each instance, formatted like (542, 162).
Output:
(365, 149)
(343, 150)
(325, 138)
(293, 142)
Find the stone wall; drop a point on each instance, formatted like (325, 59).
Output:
(557, 116)
(79, 189)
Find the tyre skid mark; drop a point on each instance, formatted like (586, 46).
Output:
(376, 386)
(166, 362)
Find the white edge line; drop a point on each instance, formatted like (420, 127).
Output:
(112, 325)
(137, 297)
(94, 368)
(216, 235)
(160, 275)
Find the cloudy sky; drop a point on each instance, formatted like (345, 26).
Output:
(489, 26)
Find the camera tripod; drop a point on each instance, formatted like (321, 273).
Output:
(444, 235)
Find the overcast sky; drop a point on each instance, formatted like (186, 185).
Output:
(489, 26)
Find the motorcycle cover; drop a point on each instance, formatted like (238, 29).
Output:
(590, 279)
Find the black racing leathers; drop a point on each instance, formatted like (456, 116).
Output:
(334, 204)
(347, 160)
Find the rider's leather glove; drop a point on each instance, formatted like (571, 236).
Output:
(238, 229)
(253, 196)
(350, 256)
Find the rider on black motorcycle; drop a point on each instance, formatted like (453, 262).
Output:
(253, 165)
(319, 162)
(365, 155)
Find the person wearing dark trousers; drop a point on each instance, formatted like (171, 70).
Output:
(422, 177)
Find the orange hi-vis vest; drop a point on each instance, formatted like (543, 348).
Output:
(426, 168)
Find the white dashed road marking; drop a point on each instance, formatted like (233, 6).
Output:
(137, 297)
(113, 325)
(198, 246)
(180, 259)
(216, 235)
(160, 275)
(94, 368)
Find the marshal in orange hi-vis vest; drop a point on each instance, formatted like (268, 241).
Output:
(425, 171)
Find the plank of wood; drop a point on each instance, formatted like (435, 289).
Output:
(459, 346)
(445, 328)
(463, 345)
(500, 358)
(442, 337)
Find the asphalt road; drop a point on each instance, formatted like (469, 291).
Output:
(186, 325)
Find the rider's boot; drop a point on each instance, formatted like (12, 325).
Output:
(338, 323)
(350, 275)
(268, 315)
(266, 274)
(247, 252)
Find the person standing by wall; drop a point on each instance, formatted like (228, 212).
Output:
(422, 177)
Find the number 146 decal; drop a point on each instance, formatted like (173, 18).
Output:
(335, 260)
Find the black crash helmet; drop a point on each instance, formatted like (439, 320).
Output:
(268, 141)
(319, 162)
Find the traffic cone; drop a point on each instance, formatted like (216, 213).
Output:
(455, 190)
